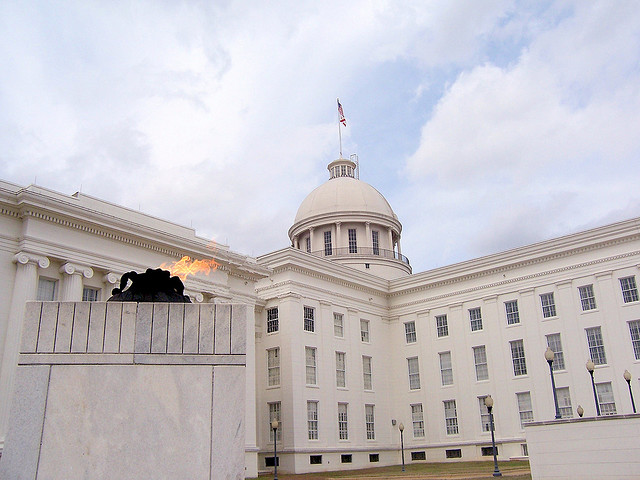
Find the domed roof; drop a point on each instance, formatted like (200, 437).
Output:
(344, 194)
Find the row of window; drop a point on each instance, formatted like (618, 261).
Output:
(48, 290)
(352, 242)
(547, 303)
(309, 323)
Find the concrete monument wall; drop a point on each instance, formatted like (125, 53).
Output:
(126, 390)
(586, 448)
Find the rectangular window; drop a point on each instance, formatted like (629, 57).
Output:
(513, 316)
(525, 408)
(480, 359)
(338, 325)
(475, 318)
(274, 414)
(90, 294)
(418, 456)
(374, 457)
(414, 373)
(418, 420)
(446, 370)
(315, 459)
(370, 422)
(442, 327)
(309, 322)
(364, 330)
(328, 249)
(343, 427)
(312, 420)
(454, 453)
(564, 402)
(554, 343)
(346, 458)
(272, 320)
(524, 449)
(488, 451)
(517, 356)
(366, 373)
(375, 241)
(587, 298)
(410, 332)
(485, 421)
(634, 330)
(548, 305)
(46, 290)
(340, 370)
(596, 346)
(308, 244)
(451, 417)
(629, 289)
(273, 366)
(605, 398)
(353, 243)
(271, 461)
(310, 362)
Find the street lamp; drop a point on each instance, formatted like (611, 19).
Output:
(590, 368)
(549, 356)
(274, 426)
(627, 377)
(488, 401)
(401, 428)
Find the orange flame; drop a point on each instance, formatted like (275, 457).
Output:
(185, 266)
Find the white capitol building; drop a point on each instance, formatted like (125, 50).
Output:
(347, 343)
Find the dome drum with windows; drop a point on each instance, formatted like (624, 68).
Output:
(348, 221)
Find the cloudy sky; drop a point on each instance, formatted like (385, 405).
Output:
(487, 125)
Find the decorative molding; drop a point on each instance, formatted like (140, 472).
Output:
(111, 278)
(24, 257)
(73, 268)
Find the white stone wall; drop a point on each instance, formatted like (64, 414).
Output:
(126, 390)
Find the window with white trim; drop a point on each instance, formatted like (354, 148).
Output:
(596, 345)
(525, 408)
(517, 356)
(629, 289)
(475, 319)
(308, 244)
(47, 290)
(353, 242)
(564, 402)
(309, 319)
(340, 370)
(311, 367)
(343, 425)
(370, 422)
(587, 297)
(90, 294)
(367, 376)
(485, 420)
(410, 332)
(273, 366)
(375, 242)
(312, 419)
(548, 305)
(604, 393)
(417, 418)
(511, 309)
(414, 373)
(451, 417)
(273, 324)
(480, 360)
(338, 325)
(274, 414)
(442, 327)
(634, 330)
(328, 248)
(364, 330)
(554, 343)
(446, 369)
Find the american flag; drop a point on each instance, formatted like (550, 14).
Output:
(343, 120)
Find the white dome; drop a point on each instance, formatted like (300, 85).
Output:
(344, 194)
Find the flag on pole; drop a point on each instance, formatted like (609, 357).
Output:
(343, 120)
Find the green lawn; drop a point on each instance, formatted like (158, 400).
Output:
(513, 470)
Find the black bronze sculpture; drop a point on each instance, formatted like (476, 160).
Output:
(151, 286)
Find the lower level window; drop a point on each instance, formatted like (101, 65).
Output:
(415, 456)
(488, 451)
(525, 449)
(374, 457)
(269, 462)
(346, 458)
(456, 453)
(315, 459)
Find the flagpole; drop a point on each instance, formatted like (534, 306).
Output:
(339, 129)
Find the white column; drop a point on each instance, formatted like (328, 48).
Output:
(296, 244)
(368, 241)
(24, 289)
(390, 234)
(399, 247)
(338, 235)
(71, 290)
(311, 238)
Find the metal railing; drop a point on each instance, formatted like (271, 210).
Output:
(348, 251)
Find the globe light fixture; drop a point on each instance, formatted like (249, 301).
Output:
(401, 428)
(549, 357)
(590, 368)
(627, 377)
(488, 401)
(274, 426)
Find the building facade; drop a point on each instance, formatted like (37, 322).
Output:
(347, 343)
